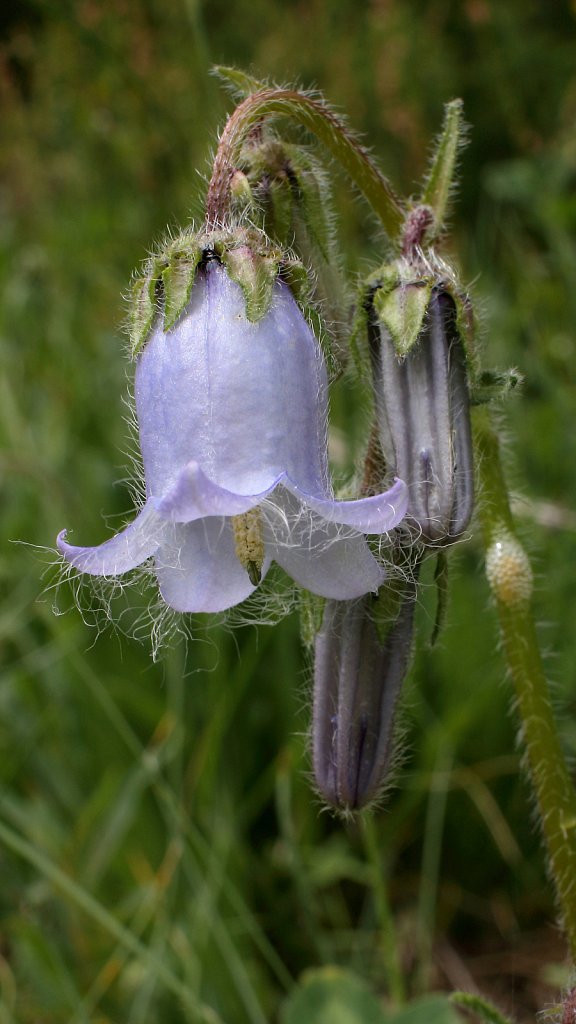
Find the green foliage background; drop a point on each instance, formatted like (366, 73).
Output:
(160, 846)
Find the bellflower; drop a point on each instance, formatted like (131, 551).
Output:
(420, 373)
(232, 416)
(358, 674)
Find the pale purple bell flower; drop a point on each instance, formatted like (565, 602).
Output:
(232, 419)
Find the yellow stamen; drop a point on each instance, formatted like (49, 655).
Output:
(249, 543)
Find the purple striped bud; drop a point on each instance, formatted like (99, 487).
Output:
(422, 404)
(357, 680)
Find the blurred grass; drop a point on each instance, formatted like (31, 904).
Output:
(158, 833)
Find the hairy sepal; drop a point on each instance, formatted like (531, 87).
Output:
(250, 259)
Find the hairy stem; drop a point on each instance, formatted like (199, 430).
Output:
(316, 117)
(388, 935)
(510, 578)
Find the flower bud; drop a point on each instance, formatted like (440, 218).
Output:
(422, 403)
(357, 679)
(290, 194)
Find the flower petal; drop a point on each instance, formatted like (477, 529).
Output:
(198, 570)
(376, 514)
(321, 556)
(194, 496)
(125, 551)
(246, 400)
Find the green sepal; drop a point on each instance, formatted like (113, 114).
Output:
(334, 366)
(142, 309)
(313, 197)
(291, 188)
(492, 385)
(250, 260)
(237, 82)
(264, 160)
(400, 293)
(177, 280)
(465, 325)
(255, 264)
(401, 307)
(440, 180)
(281, 200)
(358, 340)
(311, 608)
(297, 278)
(256, 274)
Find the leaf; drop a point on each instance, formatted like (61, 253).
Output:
(480, 1006)
(332, 996)
(431, 1009)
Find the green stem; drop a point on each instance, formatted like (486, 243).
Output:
(431, 860)
(388, 936)
(510, 578)
(317, 118)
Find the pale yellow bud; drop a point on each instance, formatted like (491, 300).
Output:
(508, 570)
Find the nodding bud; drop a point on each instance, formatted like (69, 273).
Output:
(423, 412)
(357, 680)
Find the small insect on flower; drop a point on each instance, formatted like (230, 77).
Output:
(232, 415)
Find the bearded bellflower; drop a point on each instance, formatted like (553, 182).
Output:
(416, 331)
(359, 667)
(231, 402)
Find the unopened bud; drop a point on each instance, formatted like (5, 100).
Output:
(357, 679)
(240, 190)
(423, 406)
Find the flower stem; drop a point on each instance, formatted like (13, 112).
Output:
(388, 935)
(510, 578)
(317, 118)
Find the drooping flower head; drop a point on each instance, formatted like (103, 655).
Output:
(231, 402)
